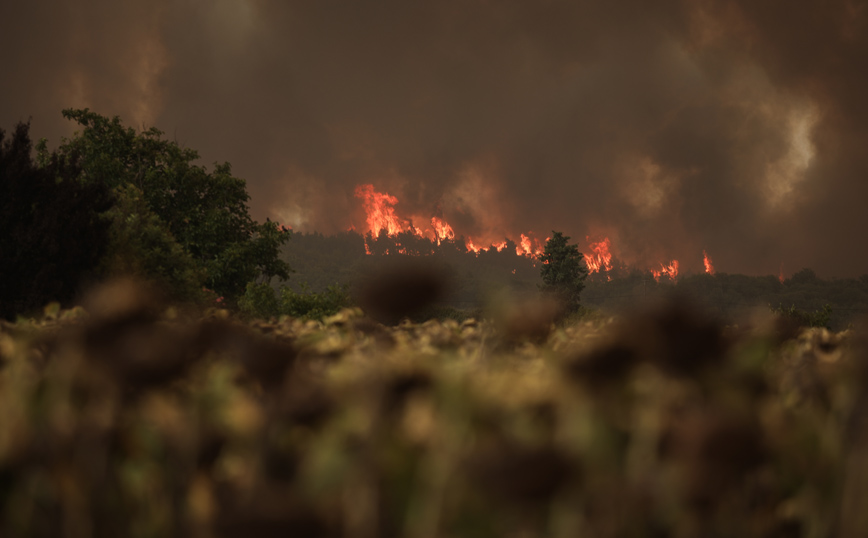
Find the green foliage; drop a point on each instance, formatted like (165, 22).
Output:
(584, 314)
(175, 201)
(314, 305)
(804, 318)
(261, 301)
(51, 234)
(443, 313)
(563, 271)
(140, 244)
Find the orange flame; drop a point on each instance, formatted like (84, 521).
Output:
(381, 218)
(380, 210)
(600, 258)
(670, 270)
(524, 247)
(781, 273)
(442, 230)
(709, 268)
(471, 247)
(529, 247)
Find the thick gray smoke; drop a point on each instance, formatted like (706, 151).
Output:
(738, 127)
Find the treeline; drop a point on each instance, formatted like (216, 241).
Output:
(112, 201)
(732, 297)
(321, 261)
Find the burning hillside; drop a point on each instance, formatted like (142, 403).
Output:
(383, 220)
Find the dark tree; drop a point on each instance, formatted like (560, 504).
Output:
(51, 234)
(563, 271)
(173, 209)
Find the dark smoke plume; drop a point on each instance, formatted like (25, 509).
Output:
(737, 127)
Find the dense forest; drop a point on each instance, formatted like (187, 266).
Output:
(320, 261)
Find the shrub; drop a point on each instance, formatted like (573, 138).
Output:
(817, 318)
(261, 301)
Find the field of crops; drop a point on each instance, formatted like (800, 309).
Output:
(130, 418)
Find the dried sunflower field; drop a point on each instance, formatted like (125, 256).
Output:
(129, 418)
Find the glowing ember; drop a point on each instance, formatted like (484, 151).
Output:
(670, 270)
(442, 230)
(380, 210)
(600, 258)
(709, 268)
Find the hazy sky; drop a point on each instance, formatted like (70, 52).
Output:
(738, 127)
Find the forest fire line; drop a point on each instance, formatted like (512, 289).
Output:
(382, 218)
(670, 270)
(380, 215)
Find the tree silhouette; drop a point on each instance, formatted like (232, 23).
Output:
(562, 270)
(51, 234)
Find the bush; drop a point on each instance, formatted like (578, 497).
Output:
(442, 313)
(261, 301)
(817, 318)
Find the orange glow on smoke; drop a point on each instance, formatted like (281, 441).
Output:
(781, 273)
(670, 270)
(709, 268)
(600, 258)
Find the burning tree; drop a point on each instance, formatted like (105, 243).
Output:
(563, 271)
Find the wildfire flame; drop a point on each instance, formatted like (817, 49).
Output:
(709, 268)
(529, 247)
(670, 270)
(381, 219)
(442, 230)
(600, 257)
(380, 210)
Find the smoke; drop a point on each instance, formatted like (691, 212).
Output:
(734, 127)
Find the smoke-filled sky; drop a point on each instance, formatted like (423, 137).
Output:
(735, 126)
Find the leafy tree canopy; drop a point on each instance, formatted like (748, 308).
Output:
(167, 199)
(562, 270)
(53, 236)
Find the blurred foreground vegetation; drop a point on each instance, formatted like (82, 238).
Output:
(130, 417)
